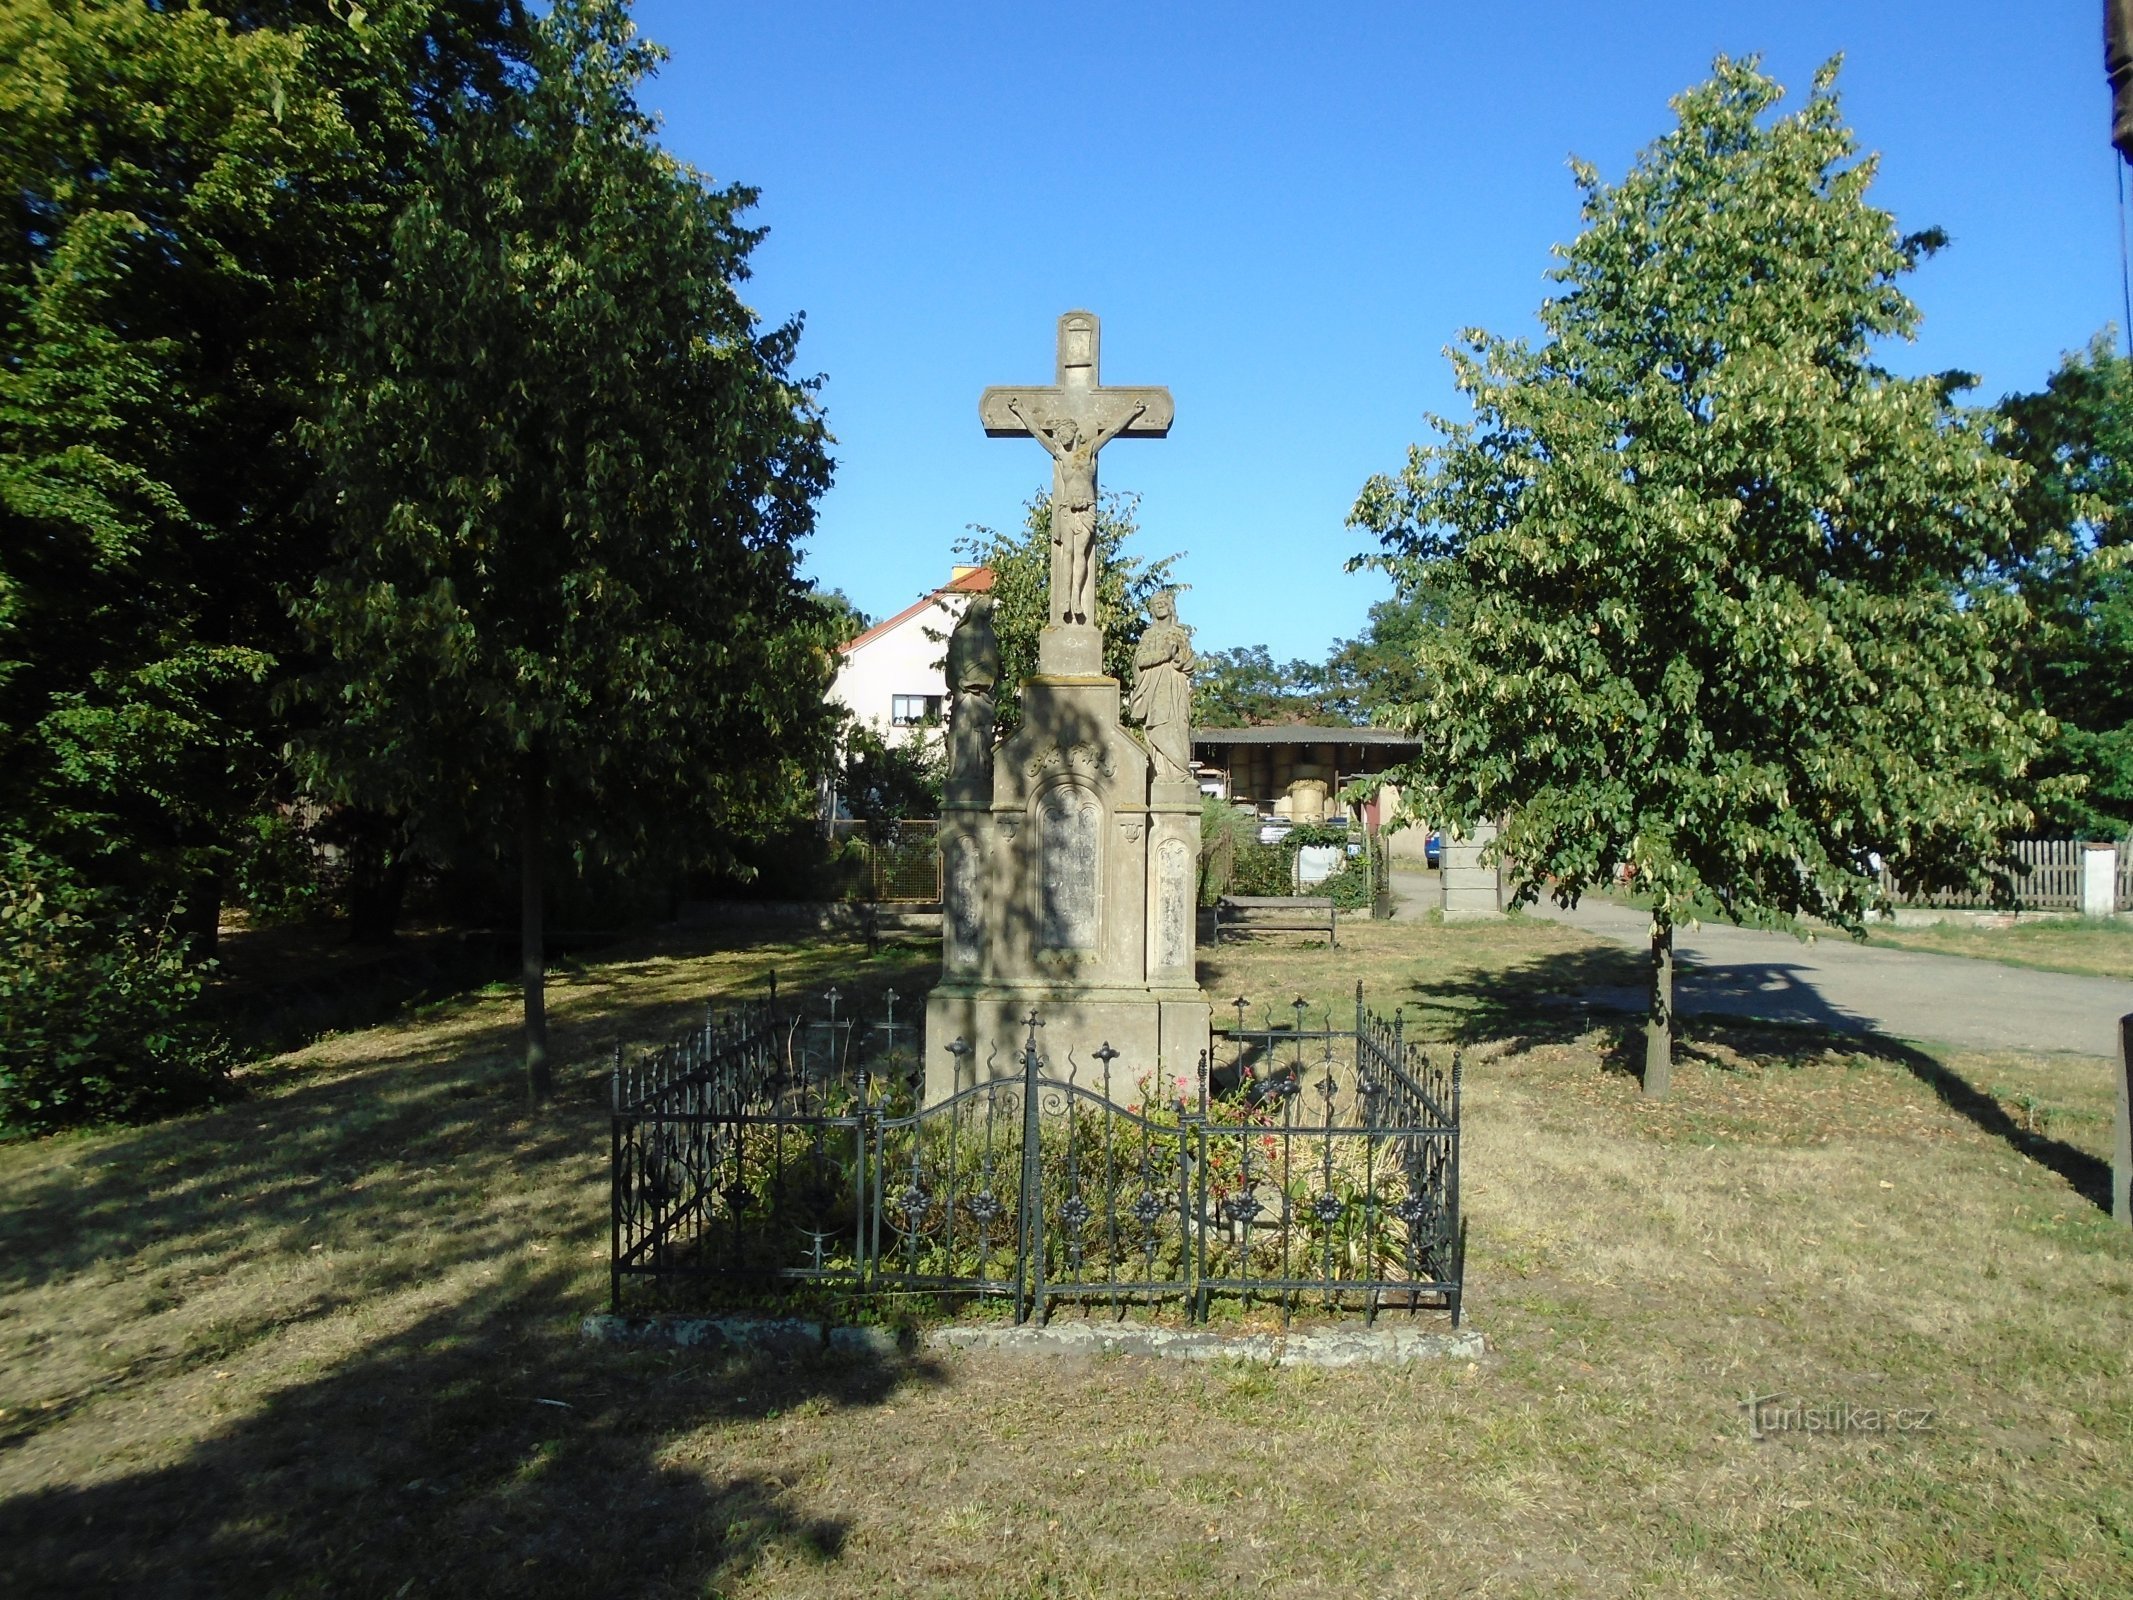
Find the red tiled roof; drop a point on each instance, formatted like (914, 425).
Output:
(979, 580)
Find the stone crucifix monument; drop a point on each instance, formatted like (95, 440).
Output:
(1071, 853)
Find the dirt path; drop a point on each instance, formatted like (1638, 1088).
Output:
(1834, 983)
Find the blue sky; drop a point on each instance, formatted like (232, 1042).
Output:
(1284, 212)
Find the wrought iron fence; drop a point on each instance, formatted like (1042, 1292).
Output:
(769, 1155)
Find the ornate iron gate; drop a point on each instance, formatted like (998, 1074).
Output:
(767, 1156)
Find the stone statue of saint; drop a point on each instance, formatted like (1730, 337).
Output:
(973, 650)
(1074, 446)
(973, 669)
(1162, 689)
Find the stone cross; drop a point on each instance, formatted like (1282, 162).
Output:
(1074, 419)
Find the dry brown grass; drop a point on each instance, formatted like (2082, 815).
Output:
(313, 1343)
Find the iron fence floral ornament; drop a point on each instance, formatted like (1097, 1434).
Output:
(779, 1152)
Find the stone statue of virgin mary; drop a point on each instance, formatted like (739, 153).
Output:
(1162, 689)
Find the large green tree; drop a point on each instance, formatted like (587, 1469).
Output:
(1370, 676)
(2068, 554)
(1245, 687)
(1706, 560)
(567, 473)
(190, 192)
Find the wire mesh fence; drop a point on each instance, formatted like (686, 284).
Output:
(896, 862)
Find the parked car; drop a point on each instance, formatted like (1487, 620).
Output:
(1433, 851)
(1272, 830)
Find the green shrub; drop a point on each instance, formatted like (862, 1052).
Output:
(1349, 887)
(1225, 830)
(95, 1011)
(1316, 833)
(1264, 869)
(1232, 861)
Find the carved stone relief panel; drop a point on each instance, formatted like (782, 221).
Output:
(1173, 905)
(1069, 868)
(965, 895)
(1081, 756)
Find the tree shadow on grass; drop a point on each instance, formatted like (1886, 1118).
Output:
(268, 1001)
(428, 1460)
(419, 1132)
(482, 1450)
(1565, 995)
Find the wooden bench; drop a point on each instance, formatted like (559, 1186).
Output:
(1283, 913)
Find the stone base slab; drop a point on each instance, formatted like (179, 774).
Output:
(1370, 1345)
(1375, 1344)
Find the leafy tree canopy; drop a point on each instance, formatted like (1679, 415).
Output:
(1246, 688)
(568, 472)
(844, 620)
(1704, 560)
(878, 782)
(2068, 558)
(1368, 677)
(190, 189)
(1362, 679)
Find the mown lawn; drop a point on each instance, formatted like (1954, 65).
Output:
(323, 1340)
(2045, 942)
(2068, 944)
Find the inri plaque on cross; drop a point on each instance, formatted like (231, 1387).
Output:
(1073, 420)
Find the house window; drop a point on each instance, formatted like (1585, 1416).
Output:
(910, 710)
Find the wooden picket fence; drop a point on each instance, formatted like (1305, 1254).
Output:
(2053, 882)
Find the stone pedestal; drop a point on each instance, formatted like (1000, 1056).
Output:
(1069, 892)
(1069, 650)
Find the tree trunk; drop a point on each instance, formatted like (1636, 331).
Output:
(532, 964)
(1659, 1026)
(199, 917)
(376, 892)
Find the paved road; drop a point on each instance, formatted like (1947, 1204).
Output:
(1835, 983)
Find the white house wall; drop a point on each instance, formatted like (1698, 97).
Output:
(899, 660)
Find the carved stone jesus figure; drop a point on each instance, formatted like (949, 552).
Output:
(1162, 689)
(1074, 505)
(1074, 418)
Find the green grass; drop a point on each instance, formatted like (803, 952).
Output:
(323, 1341)
(2047, 944)
(2103, 949)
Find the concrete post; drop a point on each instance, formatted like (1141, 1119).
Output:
(2099, 880)
(1468, 888)
(2122, 1146)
